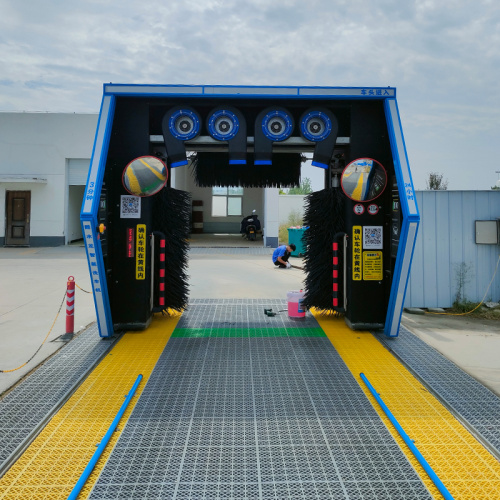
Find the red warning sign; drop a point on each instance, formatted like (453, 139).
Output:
(130, 241)
(359, 209)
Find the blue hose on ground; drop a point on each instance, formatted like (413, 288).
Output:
(95, 457)
(423, 462)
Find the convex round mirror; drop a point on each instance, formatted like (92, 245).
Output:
(363, 179)
(145, 176)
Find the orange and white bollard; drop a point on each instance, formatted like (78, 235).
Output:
(70, 306)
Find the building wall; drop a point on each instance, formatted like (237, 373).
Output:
(39, 145)
(182, 178)
(252, 200)
(446, 250)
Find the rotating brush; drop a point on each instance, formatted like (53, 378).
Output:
(171, 216)
(324, 214)
(213, 169)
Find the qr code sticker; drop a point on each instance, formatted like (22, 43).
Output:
(130, 207)
(372, 237)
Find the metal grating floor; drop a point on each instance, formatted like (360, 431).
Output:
(240, 314)
(242, 405)
(231, 250)
(27, 406)
(468, 469)
(474, 403)
(252, 416)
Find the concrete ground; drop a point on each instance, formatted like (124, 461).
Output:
(473, 344)
(32, 287)
(238, 275)
(33, 284)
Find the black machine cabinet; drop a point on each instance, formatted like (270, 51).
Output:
(127, 232)
(368, 264)
(369, 256)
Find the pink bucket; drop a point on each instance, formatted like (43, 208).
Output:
(295, 308)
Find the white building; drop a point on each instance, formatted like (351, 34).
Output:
(44, 160)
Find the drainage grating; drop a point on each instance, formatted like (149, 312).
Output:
(249, 417)
(27, 407)
(470, 400)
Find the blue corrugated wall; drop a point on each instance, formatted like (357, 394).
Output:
(446, 241)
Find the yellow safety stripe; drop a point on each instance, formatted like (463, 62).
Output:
(153, 170)
(465, 467)
(133, 181)
(357, 193)
(53, 463)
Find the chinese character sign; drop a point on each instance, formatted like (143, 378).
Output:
(357, 248)
(140, 259)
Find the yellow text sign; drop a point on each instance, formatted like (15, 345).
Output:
(140, 254)
(372, 266)
(357, 248)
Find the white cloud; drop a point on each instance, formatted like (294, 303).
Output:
(441, 55)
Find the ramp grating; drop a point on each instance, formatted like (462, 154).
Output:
(470, 400)
(27, 406)
(254, 417)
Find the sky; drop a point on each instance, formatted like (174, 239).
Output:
(443, 57)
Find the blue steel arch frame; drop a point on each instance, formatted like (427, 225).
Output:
(410, 219)
(90, 205)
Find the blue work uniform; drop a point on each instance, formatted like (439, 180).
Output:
(280, 252)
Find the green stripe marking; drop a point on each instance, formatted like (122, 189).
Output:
(247, 332)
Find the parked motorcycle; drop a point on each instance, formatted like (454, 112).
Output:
(250, 225)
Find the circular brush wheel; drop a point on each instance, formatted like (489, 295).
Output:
(223, 125)
(315, 126)
(184, 124)
(277, 125)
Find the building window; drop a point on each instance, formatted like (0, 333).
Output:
(226, 201)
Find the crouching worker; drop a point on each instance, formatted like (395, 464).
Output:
(281, 255)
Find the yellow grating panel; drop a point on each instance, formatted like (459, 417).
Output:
(51, 466)
(464, 466)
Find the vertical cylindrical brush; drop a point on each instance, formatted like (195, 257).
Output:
(324, 214)
(171, 216)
